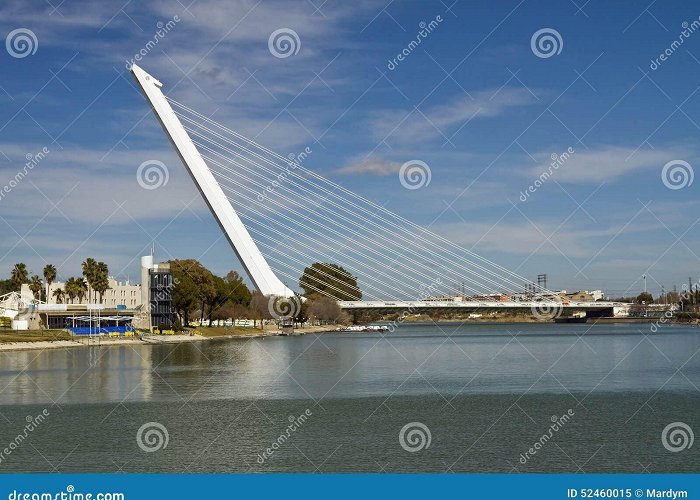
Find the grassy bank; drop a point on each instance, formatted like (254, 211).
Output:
(8, 336)
(236, 331)
(239, 331)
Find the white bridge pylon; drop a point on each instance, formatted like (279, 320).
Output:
(308, 218)
(257, 268)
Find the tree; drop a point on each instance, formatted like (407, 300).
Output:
(49, 277)
(260, 308)
(19, 275)
(59, 294)
(35, 285)
(231, 290)
(89, 268)
(81, 288)
(238, 291)
(324, 309)
(71, 288)
(218, 298)
(230, 310)
(645, 298)
(625, 299)
(101, 279)
(184, 297)
(193, 286)
(6, 286)
(330, 280)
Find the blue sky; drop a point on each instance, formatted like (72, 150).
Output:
(473, 101)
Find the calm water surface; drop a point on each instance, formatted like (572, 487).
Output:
(486, 393)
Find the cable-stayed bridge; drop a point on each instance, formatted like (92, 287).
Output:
(281, 217)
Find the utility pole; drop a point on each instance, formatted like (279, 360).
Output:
(644, 277)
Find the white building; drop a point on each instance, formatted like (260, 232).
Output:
(119, 293)
(143, 304)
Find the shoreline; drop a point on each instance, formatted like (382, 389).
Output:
(148, 339)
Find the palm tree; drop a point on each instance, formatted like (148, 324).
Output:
(72, 288)
(59, 294)
(49, 277)
(35, 285)
(89, 268)
(81, 289)
(19, 274)
(101, 283)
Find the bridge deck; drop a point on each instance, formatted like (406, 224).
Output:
(474, 305)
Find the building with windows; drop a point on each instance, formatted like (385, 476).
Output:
(119, 293)
(157, 293)
(124, 305)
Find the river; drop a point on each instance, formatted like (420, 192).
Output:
(436, 398)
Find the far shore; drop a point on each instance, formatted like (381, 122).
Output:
(525, 319)
(58, 339)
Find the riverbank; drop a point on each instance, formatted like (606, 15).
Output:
(60, 339)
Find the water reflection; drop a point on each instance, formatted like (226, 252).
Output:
(415, 360)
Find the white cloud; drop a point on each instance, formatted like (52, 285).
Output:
(97, 187)
(374, 166)
(411, 125)
(545, 237)
(606, 163)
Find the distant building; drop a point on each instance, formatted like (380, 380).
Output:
(124, 304)
(119, 293)
(444, 298)
(494, 297)
(580, 296)
(158, 292)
